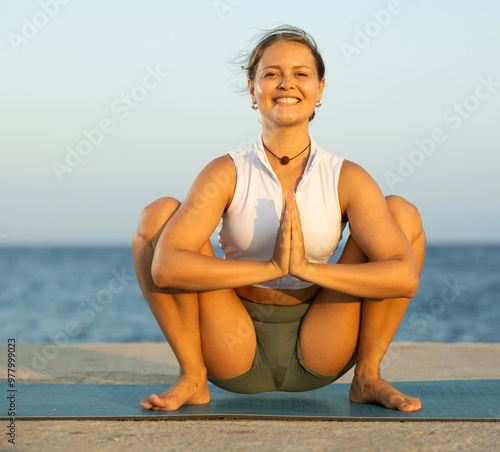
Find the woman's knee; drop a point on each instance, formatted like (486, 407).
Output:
(154, 217)
(406, 215)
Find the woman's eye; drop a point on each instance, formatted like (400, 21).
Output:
(269, 74)
(302, 74)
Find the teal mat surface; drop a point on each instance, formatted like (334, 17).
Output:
(442, 400)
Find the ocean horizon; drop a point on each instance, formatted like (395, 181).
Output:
(89, 293)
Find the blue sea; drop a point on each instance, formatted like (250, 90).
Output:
(90, 294)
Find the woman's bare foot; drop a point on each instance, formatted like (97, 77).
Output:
(187, 390)
(377, 390)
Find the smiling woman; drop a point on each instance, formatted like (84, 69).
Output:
(284, 89)
(287, 35)
(273, 314)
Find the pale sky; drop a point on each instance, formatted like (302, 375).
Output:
(106, 106)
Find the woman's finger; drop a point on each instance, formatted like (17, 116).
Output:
(286, 206)
(281, 256)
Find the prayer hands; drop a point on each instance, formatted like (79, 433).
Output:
(289, 250)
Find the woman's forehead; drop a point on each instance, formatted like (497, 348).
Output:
(295, 52)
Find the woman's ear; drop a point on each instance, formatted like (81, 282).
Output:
(251, 90)
(321, 87)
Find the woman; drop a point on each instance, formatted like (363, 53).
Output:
(274, 315)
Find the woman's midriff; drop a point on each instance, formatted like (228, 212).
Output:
(280, 297)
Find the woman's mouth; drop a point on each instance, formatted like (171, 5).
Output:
(286, 100)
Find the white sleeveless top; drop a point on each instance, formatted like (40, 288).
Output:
(248, 228)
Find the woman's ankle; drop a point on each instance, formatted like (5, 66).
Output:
(193, 372)
(367, 370)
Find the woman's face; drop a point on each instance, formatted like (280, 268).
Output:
(286, 86)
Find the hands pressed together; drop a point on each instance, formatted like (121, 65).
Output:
(289, 250)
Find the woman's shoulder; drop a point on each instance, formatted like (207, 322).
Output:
(216, 180)
(354, 177)
(221, 165)
(348, 166)
(352, 169)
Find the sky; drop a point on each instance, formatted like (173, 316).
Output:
(107, 106)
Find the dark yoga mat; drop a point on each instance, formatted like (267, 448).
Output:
(442, 400)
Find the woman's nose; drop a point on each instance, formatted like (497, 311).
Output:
(285, 83)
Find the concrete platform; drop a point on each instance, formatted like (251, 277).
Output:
(154, 363)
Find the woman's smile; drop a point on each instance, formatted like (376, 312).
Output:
(286, 101)
(286, 86)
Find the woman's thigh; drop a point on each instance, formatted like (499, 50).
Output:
(330, 329)
(227, 332)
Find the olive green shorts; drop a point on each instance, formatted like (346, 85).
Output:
(277, 365)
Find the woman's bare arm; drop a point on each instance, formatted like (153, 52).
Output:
(177, 261)
(391, 271)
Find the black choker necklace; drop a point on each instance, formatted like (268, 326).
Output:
(285, 159)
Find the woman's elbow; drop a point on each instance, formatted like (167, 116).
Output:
(411, 285)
